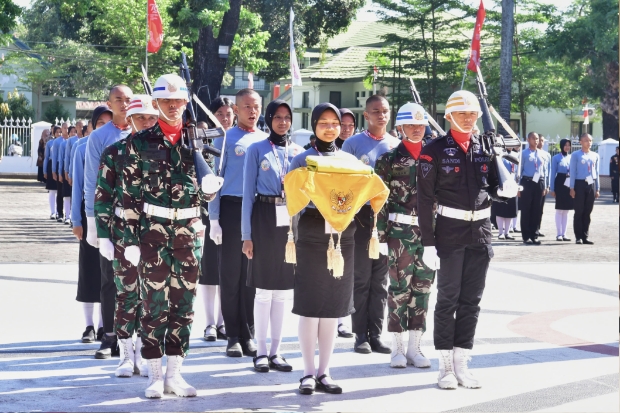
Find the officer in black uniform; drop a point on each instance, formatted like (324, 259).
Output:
(455, 172)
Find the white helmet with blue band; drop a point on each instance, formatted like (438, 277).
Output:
(411, 114)
(170, 86)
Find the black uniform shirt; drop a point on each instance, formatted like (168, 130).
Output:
(458, 180)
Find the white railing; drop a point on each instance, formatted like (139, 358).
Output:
(15, 137)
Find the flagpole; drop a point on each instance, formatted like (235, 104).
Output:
(465, 72)
(146, 48)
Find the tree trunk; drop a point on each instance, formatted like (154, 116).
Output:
(505, 62)
(610, 126)
(209, 68)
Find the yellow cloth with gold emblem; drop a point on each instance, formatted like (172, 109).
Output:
(338, 188)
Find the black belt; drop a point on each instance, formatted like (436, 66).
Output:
(529, 178)
(231, 198)
(270, 199)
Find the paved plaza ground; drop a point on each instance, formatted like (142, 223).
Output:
(546, 341)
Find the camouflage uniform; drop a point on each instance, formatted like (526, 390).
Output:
(162, 174)
(108, 196)
(410, 280)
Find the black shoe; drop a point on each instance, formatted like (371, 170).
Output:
(220, 335)
(248, 348)
(233, 349)
(59, 219)
(108, 348)
(565, 239)
(343, 331)
(510, 237)
(53, 217)
(88, 336)
(578, 242)
(210, 333)
(377, 346)
(535, 242)
(263, 368)
(540, 234)
(362, 345)
(328, 388)
(588, 242)
(99, 333)
(281, 366)
(517, 231)
(527, 241)
(307, 388)
(67, 221)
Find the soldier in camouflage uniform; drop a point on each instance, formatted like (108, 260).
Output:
(409, 279)
(109, 215)
(164, 234)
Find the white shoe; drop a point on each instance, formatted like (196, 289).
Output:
(174, 382)
(155, 385)
(125, 365)
(139, 364)
(463, 375)
(398, 352)
(447, 378)
(414, 353)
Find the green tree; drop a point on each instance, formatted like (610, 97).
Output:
(55, 110)
(19, 106)
(9, 12)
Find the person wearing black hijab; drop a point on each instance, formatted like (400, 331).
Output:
(560, 188)
(319, 298)
(347, 130)
(264, 229)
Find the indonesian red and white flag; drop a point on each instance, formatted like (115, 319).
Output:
(474, 57)
(155, 28)
(586, 115)
(250, 80)
(375, 73)
(295, 73)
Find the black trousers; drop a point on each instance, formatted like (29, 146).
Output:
(107, 294)
(584, 203)
(530, 202)
(460, 283)
(370, 280)
(59, 204)
(542, 210)
(236, 297)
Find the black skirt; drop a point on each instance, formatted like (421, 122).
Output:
(89, 274)
(563, 199)
(67, 189)
(50, 184)
(317, 293)
(209, 266)
(506, 209)
(267, 269)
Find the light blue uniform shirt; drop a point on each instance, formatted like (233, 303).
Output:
(77, 194)
(367, 149)
(100, 139)
(69, 145)
(61, 156)
(533, 161)
(262, 175)
(583, 165)
(47, 156)
(56, 152)
(560, 164)
(237, 144)
(71, 154)
(547, 156)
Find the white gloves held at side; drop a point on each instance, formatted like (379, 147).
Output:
(383, 249)
(215, 233)
(430, 258)
(91, 228)
(211, 184)
(106, 248)
(132, 254)
(508, 190)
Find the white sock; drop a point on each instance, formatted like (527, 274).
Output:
(98, 310)
(558, 222)
(500, 225)
(209, 292)
(51, 196)
(564, 222)
(506, 225)
(67, 205)
(262, 308)
(308, 333)
(89, 313)
(327, 339)
(276, 320)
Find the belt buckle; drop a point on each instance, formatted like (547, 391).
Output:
(469, 216)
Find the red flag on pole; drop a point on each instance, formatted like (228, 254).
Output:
(474, 58)
(156, 31)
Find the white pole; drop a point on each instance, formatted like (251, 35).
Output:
(465, 72)
(146, 49)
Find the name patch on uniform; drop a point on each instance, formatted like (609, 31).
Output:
(426, 158)
(265, 165)
(239, 150)
(482, 159)
(450, 161)
(426, 168)
(155, 155)
(365, 159)
(450, 151)
(400, 171)
(448, 169)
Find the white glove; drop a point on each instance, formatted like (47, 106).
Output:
(91, 238)
(215, 233)
(430, 258)
(383, 248)
(132, 254)
(106, 248)
(508, 190)
(211, 184)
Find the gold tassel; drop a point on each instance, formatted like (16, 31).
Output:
(338, 260)
(330, 253)
(373, 245)
(290, 255)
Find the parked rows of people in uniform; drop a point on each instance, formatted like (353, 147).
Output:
(141, 215)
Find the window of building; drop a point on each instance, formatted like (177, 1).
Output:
(304, 120)
(305, 100)
(515, 125)
(335, 98)
(577, 128)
